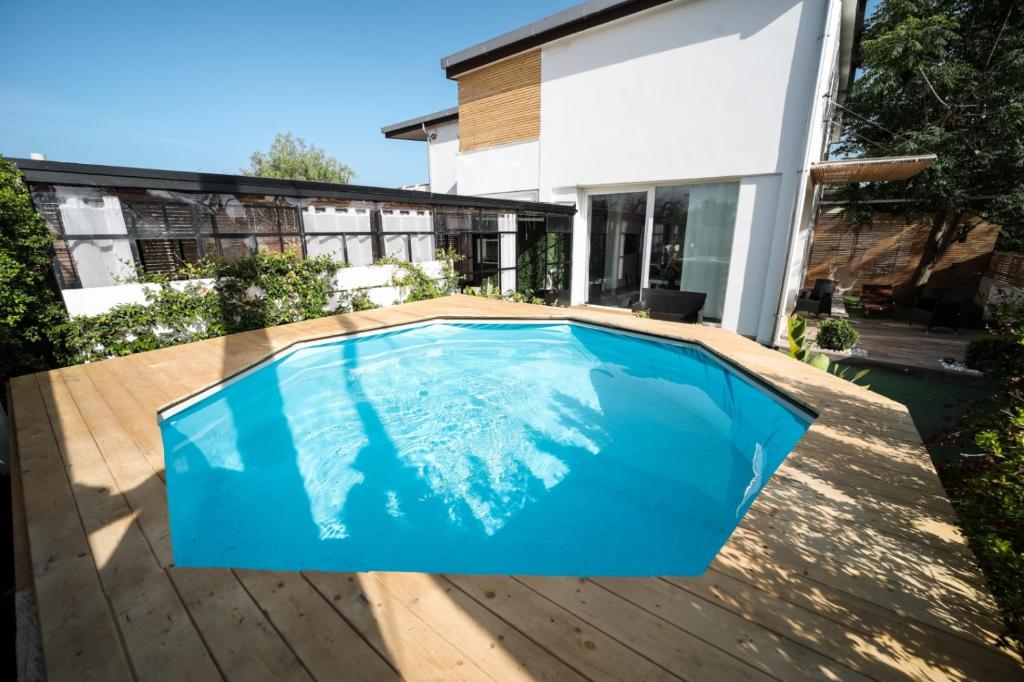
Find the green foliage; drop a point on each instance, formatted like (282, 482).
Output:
(836, 334)
(268, 289)
(643, 314)
(988, 493)
(943, 77)
(360, 300)
(291, 158)
(988, 490)
(212, 299)
(800, 349)
(492, 291)
(32, 315)
(418, 285)
(1000, 354)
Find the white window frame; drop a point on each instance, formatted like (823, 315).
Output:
(648, 233)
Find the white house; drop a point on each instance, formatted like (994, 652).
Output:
(683, 130)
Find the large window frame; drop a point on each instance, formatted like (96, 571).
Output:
(469, 233)
(648, 231)
(548, 257)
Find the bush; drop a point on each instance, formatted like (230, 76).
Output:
(988, 494)
(996, 356)
(417, 284)
(263, 290)
(988, 490)
(32, 315)
(836, 335)
(1000, 355)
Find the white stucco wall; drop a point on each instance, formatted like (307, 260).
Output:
(375, 279)
(501, 169)
(689, 90)
(693, 91)
(441, 153)
(756, 210)
(789, 265)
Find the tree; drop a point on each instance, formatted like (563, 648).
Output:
(943, 77)
(32, 315)
(291, 158)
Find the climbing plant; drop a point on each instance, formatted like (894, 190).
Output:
(213, 298)
(417, 284)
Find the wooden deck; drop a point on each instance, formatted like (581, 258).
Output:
(848, 566)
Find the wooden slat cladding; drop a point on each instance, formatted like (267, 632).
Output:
(500, 103)
(888, 251)
(1007, 268)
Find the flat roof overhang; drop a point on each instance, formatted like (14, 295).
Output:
(572, 20)
(90, 175)
(881, 169)
(587, 15)
(413, 129)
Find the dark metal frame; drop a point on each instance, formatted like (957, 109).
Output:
(205, 229)
(90, 175)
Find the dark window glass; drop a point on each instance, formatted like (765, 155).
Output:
(166, 256)
(616, 248)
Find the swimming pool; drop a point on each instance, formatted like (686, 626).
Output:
(550, 448)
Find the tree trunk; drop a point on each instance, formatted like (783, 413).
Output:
(945, 228)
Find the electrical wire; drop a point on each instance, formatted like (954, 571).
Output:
(879, 125)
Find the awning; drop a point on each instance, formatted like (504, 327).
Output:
(881, 169)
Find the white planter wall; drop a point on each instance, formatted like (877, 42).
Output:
(376, 279)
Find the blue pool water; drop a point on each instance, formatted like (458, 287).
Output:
(555, 449)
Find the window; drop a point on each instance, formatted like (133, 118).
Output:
(103, 234)
(339, 230)
(616, 248)
(166, 256)
(691, 241)
(408, 234)
(667, 237)
(544, 260)
(488, 251)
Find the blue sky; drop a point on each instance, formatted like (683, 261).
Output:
(189, 85)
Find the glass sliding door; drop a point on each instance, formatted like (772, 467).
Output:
(691, 241)
(617, 224)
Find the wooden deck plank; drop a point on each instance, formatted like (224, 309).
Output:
(849, 631)
(850, 561)
(328, 646)
(577, 642)
(245, 646)
(494, 645)
(411, 646)
(158, 634)
(128, 399)
(79, 634)
(131, 472)
(656, 638)
(765, 561)
(760, 647)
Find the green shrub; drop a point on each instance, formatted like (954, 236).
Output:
(32, 315)
(836, 335)
(800, 349)
(988, 490)
(988, 494)
(418, 285)
(996, 356)
(1000, 354)
(263, 290)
